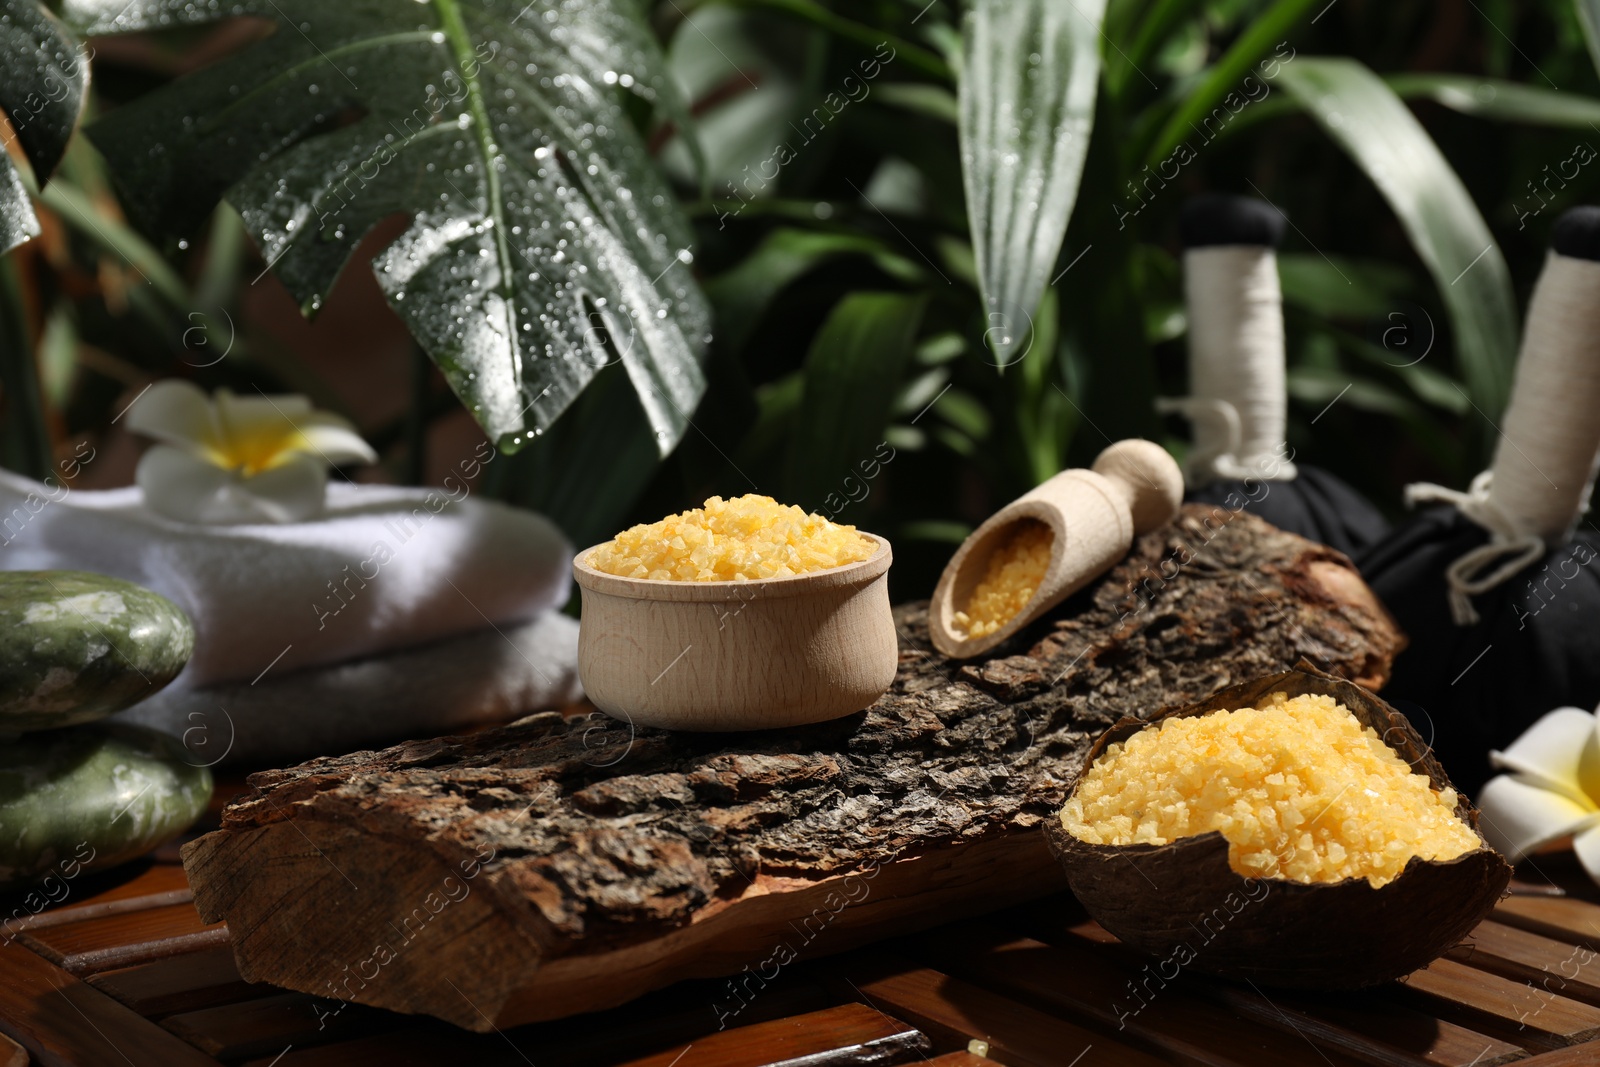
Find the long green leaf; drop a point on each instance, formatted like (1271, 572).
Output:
(1340, 287)
(24, 436)
(871, 36)
(1154, 28)
(606, 429)
(226, 246)
(1105, 359)
(1317, 385)
(1504, 101)
(1589, 19)
(777, 405)
(1431, 386)
(58, 356)
(43, 78)
(1364, 115)
(747, 86)
(741, 295)
(935, 101)
(1228, 74)
(498, 127)
(1491, 99)
(1027, 108)
(78, 211)
(851, 375)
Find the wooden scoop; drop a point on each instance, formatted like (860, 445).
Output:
(1093, 516)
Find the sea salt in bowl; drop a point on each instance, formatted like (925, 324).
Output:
(1186, 903)
(748, 654)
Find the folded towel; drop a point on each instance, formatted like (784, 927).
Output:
(490, 675)
(384, 568)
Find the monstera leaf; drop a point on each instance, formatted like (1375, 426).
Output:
(542, 242)
(1028, 82)
(43, 76)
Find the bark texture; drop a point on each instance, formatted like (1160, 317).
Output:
(561, 864)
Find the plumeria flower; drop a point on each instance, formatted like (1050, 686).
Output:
(238, 459)
(1552, 793)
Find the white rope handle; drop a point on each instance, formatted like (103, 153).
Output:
(1545, 462)
(1236, 364)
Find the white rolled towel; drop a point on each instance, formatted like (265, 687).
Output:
(490, 675)
(384, 568)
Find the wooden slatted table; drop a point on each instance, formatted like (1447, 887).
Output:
(121, 970)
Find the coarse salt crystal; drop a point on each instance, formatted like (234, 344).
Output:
(739, 539)
(1298, 787)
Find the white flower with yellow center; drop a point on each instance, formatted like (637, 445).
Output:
(238, 459)
(1552, 794)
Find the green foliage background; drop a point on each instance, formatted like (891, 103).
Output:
(855, 365)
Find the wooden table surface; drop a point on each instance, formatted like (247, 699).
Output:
(120, 970)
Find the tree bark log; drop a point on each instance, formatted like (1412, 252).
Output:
(559, 865)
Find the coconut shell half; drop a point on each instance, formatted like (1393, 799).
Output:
(1183, 903)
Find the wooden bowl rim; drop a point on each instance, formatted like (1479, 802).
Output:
(860, 572)
(1063, 844)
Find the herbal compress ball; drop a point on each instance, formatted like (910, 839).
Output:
(742, 539)
(1298, 787)
(1009, 580)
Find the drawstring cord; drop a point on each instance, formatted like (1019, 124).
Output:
(1477, 571)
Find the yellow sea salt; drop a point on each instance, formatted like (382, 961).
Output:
(1298, 787)
(1009, 580)
(740, 539)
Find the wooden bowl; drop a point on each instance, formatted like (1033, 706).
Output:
(1183, 903)
(751, 655)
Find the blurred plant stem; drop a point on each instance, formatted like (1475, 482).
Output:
(26, 437)
(871, 36)
(416, 458)
(1102, 311)
(1228, 74)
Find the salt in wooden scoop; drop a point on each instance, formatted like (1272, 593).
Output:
(1092, 516)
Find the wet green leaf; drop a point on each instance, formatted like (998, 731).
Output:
(1027, 108)
(543, 242)
(43, 77)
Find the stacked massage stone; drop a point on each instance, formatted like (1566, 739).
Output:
(77, 793)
